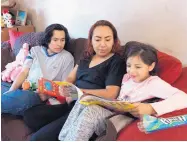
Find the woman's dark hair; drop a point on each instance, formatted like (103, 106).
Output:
(49, 33)
(147, 53)
(89, 51)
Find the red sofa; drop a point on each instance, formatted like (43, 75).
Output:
(13, 128)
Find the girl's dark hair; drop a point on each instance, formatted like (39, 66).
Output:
(89, 51)
(49, 33)
(147, 53)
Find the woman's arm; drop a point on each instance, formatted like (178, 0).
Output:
(72, 76)
(111, 92)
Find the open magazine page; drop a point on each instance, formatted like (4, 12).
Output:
(115, 105)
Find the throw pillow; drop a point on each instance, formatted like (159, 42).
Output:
(169, 67)
(13, 35)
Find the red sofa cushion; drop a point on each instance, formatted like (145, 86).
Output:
(169, 67)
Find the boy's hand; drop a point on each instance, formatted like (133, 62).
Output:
(43, 97)
(7, 92)
(141, 109)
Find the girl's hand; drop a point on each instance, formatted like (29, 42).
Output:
(141, 109)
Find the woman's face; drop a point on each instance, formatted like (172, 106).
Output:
(102, 40)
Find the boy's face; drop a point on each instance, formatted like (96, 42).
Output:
(137, 69)
(57, 42)
(102, 40)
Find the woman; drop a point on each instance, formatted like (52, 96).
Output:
(99, 72)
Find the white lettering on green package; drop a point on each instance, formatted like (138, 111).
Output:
(150, 124)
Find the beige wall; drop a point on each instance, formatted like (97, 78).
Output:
(162, 23)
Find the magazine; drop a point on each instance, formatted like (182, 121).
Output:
(150, 124)
(115, 105)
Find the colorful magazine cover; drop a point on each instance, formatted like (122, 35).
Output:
(51, 88)
(150, 124)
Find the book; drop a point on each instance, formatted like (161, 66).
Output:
(51, 88)
(115, 105)
(150, 124)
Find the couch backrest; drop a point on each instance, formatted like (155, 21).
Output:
(77, 46)
(33, 39)
(7, 55)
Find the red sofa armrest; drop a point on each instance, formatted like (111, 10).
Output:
(181, 82)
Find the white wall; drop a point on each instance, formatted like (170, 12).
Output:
(162, 23)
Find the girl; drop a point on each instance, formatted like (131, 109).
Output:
(139, 84)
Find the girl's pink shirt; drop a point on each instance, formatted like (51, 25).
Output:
(174, 99)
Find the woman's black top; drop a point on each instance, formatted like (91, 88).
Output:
(109, 72)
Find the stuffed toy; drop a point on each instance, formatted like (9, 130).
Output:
(8, 18)
(2, 22)
(14, 68)
(28, 85)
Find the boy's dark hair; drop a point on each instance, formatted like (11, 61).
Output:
(49, 33)
(147, 53)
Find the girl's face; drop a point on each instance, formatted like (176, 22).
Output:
(137, 69)
(57, 42)
(102, 41)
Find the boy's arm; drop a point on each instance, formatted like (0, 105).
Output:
(20, 79)
(24, 72)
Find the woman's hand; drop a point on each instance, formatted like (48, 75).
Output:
(85, 94)
(64, 91)
(141, 109)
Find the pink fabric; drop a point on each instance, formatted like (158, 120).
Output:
(153, 87)
(14, 68)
